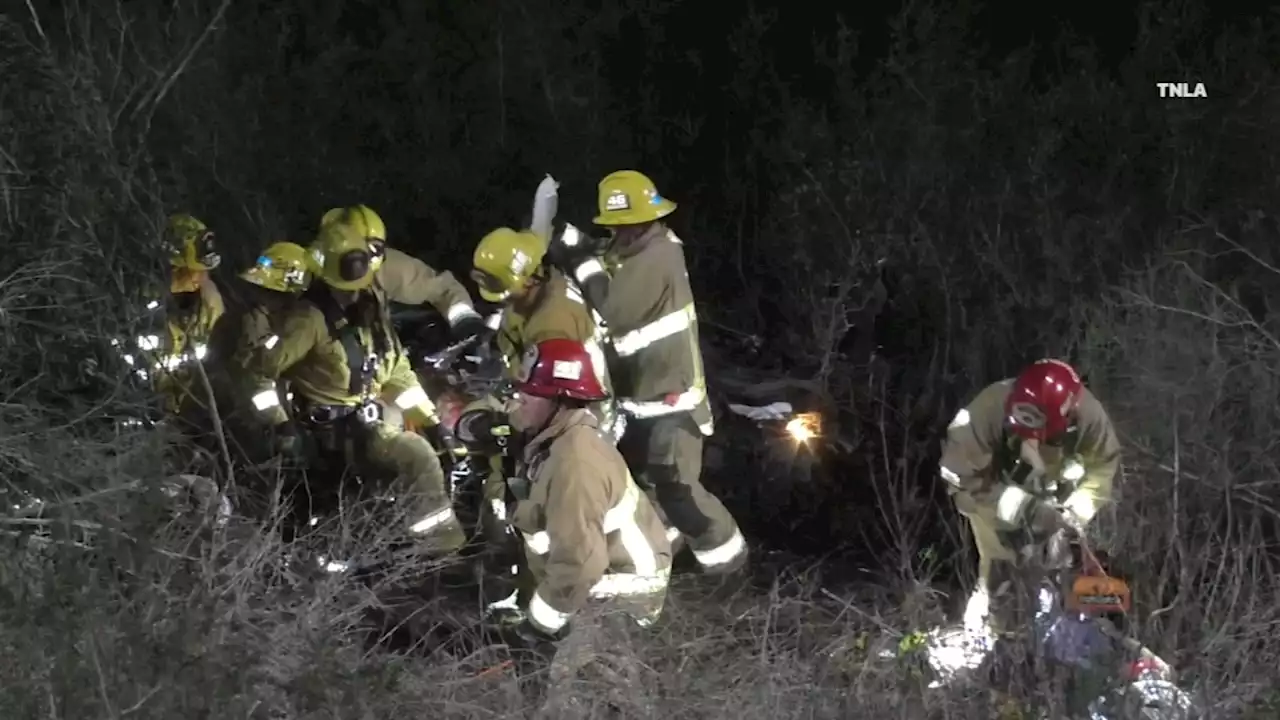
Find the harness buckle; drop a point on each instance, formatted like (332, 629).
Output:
(369, 413)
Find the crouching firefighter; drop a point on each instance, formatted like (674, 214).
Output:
(640, 287)
(594, 543)
(344, 363)
(264, 293)
(1028, 457)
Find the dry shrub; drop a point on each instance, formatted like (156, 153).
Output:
(1008, 210)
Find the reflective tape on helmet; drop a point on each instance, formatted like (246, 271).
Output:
(664, 327)
(458, 311)
(266, 400)
(1010, 504)
(432, 521)
(588, 269)
(545, 616)
(960, 420)
(724, 553)
(413, 397)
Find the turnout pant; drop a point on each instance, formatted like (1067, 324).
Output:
(418, 477)
(665, 454)
(1004, 597)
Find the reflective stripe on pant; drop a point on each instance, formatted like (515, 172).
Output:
(665, 453)
(419, 477)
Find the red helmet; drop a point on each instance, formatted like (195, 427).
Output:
(1043, 399)
(560, 368)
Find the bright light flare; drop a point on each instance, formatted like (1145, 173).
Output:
(805, 427)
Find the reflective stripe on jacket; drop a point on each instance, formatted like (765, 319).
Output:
(976, 439)
(317, 365)
(651, 319)
(405, 279)
(589, 531)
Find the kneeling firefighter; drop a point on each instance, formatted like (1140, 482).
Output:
(1028, 457)
(265, 293)
(640, 286)
(343, 363)
(594, 543)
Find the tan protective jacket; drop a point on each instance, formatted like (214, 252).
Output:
(316, 364)
(650, 317)
(589, 531)
(561, 313)
(978, 452)
(406, 279)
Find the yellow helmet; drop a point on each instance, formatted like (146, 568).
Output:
(367, 223)
(627, 197)
(190, 244)
(344, 257)
(283, 267)
(504, 260)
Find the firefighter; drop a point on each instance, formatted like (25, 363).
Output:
(267, 290)
(1026, 458)
(193, 307)
(402, 278)
(640, 287)
(539, 303)
(344, 364)
(594, 542)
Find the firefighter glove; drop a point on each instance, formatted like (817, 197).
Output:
(288, 443)
(469, 325)
(444, 441)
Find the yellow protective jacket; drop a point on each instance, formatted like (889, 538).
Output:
(650, 318)
(589, 531)
(405, 279)
(309, 352)
(186, 341)
(245, 327)
(561, 313)
(978, 455)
